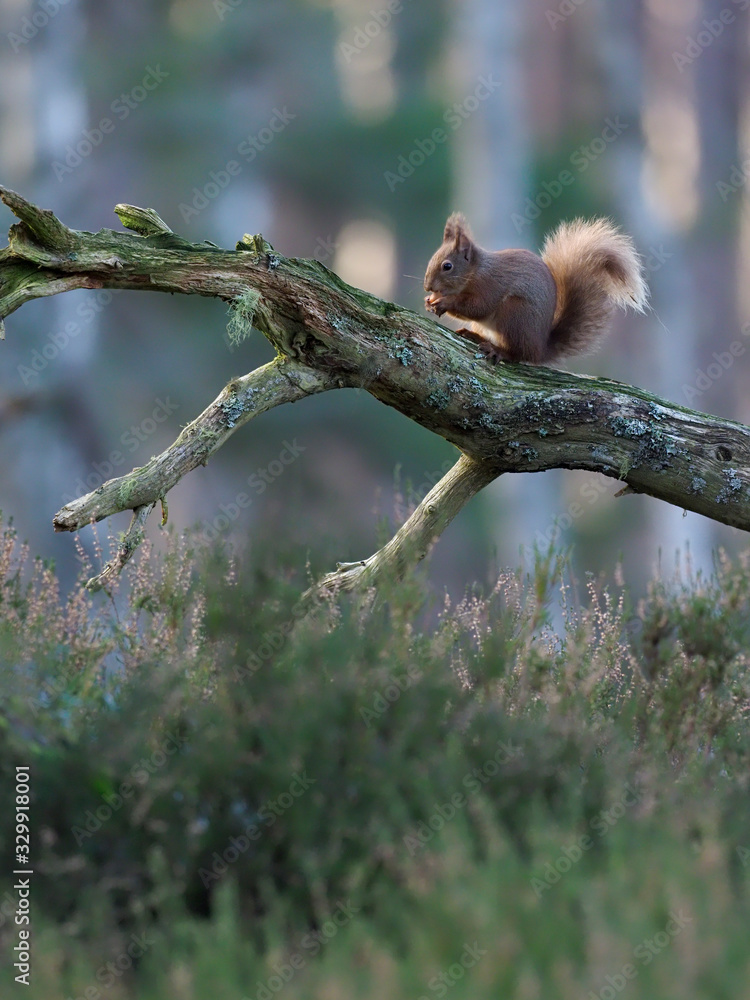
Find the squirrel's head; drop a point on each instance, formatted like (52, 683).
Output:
(451, 266)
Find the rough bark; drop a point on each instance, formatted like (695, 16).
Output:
(508, 418)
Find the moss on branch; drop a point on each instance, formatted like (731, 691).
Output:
(508, 418)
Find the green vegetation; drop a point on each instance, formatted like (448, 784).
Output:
(423, 801)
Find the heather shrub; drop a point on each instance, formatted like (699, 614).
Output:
(524, 791)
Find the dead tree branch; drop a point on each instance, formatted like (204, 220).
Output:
(508, 418)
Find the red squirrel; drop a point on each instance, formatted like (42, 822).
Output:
(536, 308)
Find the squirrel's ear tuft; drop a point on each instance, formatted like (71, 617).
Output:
(456, 230)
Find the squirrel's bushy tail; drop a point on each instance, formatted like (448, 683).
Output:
(595, 267)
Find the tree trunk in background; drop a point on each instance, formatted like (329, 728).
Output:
(713, 255)
(494, 157)
(674, 328)
(61, 113)
(740, 204)
(52, 111)
(714, 270)
(493, 179)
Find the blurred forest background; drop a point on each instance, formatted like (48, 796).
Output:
(347, 131)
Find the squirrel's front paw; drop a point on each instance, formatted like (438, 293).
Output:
(434, 304)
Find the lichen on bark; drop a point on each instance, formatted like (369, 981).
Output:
(327, 335)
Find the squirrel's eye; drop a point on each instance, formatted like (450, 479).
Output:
(447, 266)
